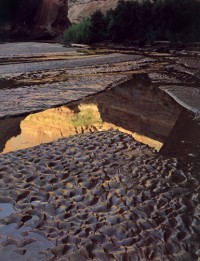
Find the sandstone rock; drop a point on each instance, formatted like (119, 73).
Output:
(80, 9)
(40, 19)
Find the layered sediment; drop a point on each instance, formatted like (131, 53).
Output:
(100, 195)
(133, 107)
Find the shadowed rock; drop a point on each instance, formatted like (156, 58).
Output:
(8, 128)
(41, 19)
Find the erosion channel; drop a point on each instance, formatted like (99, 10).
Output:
(135, 107)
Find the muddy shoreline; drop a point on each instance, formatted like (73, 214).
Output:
(101, 195)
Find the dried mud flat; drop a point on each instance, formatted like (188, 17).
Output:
(100, 196)
(97, 196)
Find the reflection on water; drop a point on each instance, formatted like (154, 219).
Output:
(53, 124)
(61, 122)
(135, 108)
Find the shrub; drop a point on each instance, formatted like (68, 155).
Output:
(78, 33)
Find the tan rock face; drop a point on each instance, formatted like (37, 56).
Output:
(80, 9)
(48, 11)
(49, 14)
(53, 124)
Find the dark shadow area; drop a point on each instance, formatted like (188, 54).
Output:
(184, 141)
(9, 128)
(8, 84)
(32, 19)
(141, 107)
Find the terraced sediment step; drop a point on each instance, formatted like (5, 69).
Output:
(29, 99)
(187, 97)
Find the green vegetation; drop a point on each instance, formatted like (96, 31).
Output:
(87, 116)
(79, 33)
(173, 20)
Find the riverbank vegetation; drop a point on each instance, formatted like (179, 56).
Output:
(165, 20)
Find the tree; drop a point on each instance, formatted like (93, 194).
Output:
(146, 21)
(78, 33)
(98, 27)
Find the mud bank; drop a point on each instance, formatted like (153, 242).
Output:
(135, 107)
(101, 195)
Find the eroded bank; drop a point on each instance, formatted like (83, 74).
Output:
(136, 107)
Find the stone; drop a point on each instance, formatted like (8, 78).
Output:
(80, 9)
(40, 19)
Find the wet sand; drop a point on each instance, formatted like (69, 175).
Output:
(98, 196)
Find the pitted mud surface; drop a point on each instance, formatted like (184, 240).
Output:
(73, 203)
(97, 196)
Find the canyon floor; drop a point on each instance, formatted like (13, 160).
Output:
(100, 152)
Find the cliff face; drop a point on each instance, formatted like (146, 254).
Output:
(79, 9)
(40, 19)
(184, 139)
(52, 15)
